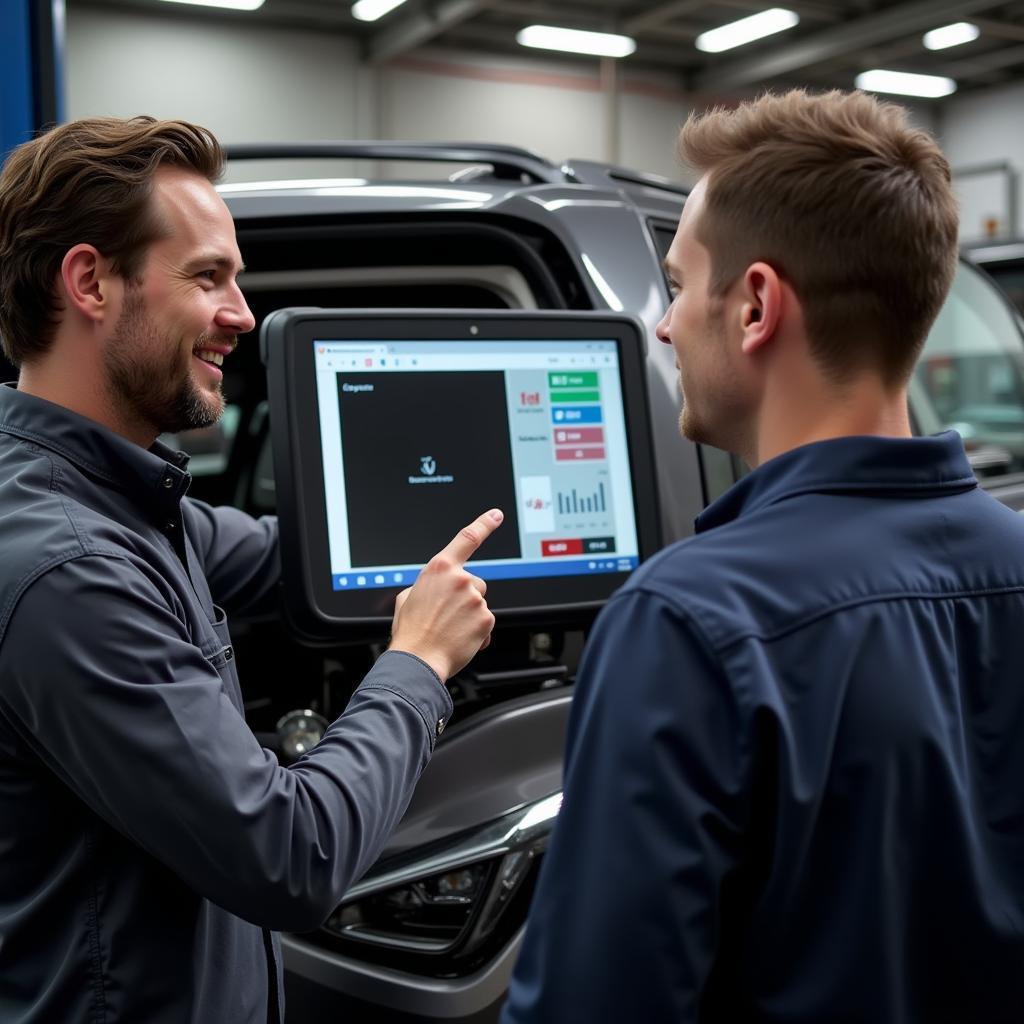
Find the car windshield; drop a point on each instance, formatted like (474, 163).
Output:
(970, 377)
(1011, 279)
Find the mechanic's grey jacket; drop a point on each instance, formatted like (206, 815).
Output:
(147, 842)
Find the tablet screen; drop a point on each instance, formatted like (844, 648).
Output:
(421, 436)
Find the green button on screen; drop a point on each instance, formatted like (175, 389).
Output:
(572, 380)
(575, 396)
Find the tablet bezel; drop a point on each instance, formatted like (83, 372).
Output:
(288, 346)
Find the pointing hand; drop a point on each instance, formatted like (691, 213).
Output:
(443, 618)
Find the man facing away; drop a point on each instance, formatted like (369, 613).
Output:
(793, 785)
(149, 845)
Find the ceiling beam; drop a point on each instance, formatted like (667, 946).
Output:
(669, 34)
(983, 63)
(532, 10)
(1000, 29)
(839, 40)
(420, 28)
(660, 14)
(805, 8)
(498, 39)
(672, 9)
(313, 11)
(884, 56)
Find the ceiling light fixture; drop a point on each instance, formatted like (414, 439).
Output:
(231, 5)
(951, 35)
(371, 10)
(571, 40)
(905, 84)
(746, 30)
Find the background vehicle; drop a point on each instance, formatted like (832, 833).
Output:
(971, 374)
(1003, 261)
(432, 931)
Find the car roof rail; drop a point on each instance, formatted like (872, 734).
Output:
(592, 172)
(509, 162)
(992, 250)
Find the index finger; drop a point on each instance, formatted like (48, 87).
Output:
(469, 538)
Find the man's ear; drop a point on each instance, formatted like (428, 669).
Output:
(760, 306)
(90, 285)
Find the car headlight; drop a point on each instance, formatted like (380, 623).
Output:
(442, 911)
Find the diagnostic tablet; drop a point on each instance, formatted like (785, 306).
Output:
(392, 430)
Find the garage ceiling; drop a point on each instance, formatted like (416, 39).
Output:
(834, 41)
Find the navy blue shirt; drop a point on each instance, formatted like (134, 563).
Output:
(794, 786)
(148, 844)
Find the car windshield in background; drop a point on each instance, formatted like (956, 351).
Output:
(1004, 263)
(970, 377)
(1011, 280)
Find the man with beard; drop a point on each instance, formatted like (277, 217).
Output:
(150, 846)
(793, 770)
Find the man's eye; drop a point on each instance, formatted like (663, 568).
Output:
(208, 274)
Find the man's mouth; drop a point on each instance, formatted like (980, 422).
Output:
(212, 349)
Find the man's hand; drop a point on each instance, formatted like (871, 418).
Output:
(443, 618)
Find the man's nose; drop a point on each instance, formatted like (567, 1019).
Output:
(661, 331)
(236, 314)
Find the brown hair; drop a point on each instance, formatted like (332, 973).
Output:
(851, 205)
(86, 181)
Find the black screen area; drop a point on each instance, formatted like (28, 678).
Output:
(424, 455)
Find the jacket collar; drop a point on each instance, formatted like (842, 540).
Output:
(158, 476)
(895, 466)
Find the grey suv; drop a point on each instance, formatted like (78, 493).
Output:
(431, 932)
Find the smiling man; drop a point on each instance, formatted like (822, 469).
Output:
(793, 770)
(141, 351)
(177, 326)
(149, 845)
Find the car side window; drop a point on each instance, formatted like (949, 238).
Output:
(970, 377)
(1010, 278)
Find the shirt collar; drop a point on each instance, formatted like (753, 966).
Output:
(904, 466)
(157, 476)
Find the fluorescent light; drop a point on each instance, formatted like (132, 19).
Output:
(951, 35)
(746, 30)
(571, 40)
(231, 5)
(905, 84)
(371, 10)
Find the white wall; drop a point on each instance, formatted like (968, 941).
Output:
(245, 83)
(557, 109)
(651, 114)
(981, 128)
(442, 95)
(249, 83)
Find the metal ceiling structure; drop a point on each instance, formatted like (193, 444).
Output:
(834, 41)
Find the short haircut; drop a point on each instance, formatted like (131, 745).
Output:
(86, 181)
(852, 206)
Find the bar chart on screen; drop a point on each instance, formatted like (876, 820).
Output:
(574, 501)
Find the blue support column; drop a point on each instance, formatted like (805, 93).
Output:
(31, 68)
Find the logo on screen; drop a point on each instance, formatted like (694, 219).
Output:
(428, 473)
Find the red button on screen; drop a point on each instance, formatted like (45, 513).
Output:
(572, 546)
(576, 454)
(579, 435)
